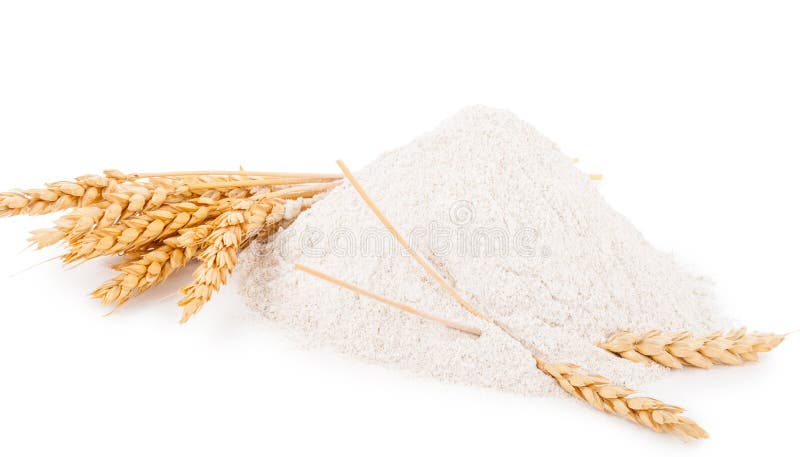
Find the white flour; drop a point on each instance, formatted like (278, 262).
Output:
(513, 225)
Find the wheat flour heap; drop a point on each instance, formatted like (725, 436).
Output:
(513, 225)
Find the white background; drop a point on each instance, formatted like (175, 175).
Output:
(690, 109)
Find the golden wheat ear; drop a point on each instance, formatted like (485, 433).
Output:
(57, 196)
(617, 400)
(675, 350)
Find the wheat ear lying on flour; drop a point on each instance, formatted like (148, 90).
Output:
(593, 389)
(614, 399)
(401, 306)
(674, 350)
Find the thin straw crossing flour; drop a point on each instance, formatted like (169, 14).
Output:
(513, 225)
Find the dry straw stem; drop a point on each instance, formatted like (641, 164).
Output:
(248, 183)
(674, 350)
(614, 399)
(593, 389)
(316, 177)
(401, 306)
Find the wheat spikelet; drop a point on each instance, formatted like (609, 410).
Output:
(674, 350)
(143, 272)
(112, 206)
(615, 399)
(70, 226)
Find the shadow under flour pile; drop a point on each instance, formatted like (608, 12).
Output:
(514, 226)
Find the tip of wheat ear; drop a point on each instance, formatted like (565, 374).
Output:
(675, 350)
(617, 400)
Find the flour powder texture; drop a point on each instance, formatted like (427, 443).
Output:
(513, 225)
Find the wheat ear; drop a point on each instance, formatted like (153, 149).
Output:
(142, 272)
(595, 390)
(132, 195)
(221, 247)
(675, 350)
(614, 399)
(56, 196)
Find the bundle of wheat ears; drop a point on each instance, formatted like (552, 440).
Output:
(156, 223)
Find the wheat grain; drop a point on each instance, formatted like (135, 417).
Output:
(615, 399)
(674, 350)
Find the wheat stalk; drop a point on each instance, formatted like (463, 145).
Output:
(247, 174)
(395, 304)
(617, 400)
(594, 389)
(674, 350)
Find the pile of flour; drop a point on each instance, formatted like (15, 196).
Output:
(513, 225)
